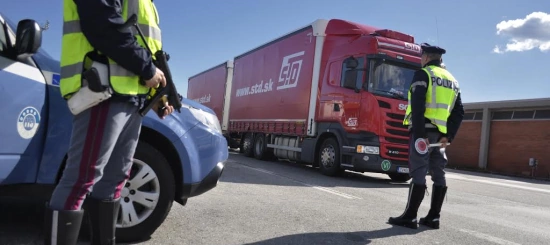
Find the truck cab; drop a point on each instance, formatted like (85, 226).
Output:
(363, 96)
(177, 158)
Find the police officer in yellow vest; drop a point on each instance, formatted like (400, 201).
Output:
(104, 134)
(433, 115)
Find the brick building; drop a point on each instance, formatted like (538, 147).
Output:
(501, 137)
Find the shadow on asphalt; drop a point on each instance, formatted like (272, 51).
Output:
(238, 172)
(358, 237)
(21, 223)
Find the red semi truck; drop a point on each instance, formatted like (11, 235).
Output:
(332, 94)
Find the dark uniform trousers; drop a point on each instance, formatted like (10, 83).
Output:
(435, 161)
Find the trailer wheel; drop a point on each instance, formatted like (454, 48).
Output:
(248, 143)
(260, 147)
(399, 177)
(329, 158)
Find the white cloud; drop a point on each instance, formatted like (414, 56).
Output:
(497, 50)
(525, 34)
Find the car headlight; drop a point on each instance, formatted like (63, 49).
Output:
(208, 119)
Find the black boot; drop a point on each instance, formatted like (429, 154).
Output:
(102, 217)
(408, 218)
(61, 227)
(432, 219)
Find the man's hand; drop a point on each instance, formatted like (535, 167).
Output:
(157, 79)
(168, 109)
(443, 142)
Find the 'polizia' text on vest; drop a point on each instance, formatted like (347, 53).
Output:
(75, 46)
(441, 95)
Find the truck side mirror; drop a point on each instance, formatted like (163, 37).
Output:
(350, 78)
(352, 63)
(28, 38)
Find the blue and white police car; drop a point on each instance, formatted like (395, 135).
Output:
(181, 156)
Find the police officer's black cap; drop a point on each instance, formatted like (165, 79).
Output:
(427, 48)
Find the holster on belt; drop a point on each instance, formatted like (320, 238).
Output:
(95, 83)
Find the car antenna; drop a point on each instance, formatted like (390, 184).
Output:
(437, 31)
(436, 28)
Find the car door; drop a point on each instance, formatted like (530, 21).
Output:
(22, 113)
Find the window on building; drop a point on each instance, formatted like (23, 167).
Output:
(478, 116)
(502, 115)
(469, 116)
(473, 116)
(542, 114)
(523, 114)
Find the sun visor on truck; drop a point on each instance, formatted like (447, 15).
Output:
(395, 35)
(344, 27)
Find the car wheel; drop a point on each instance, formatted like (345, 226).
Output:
(147, 197)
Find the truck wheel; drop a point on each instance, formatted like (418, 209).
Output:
(260, 147)
(147, 197)
(399, 177)
(248, 145)
(329, 158)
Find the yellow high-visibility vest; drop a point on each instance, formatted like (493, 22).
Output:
(75, 46)
(441, 95)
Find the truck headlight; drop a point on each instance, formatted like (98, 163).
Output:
(208, 119)
(368, 149)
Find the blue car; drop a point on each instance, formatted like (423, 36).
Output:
(177, 158)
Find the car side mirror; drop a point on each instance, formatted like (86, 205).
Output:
(28, 38)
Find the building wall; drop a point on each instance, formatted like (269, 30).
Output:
(464, 150)
(514, 137)
(512, 143)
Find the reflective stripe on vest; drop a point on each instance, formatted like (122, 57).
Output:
(75, 46)
(442, 91)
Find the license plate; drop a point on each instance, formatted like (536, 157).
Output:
(403, 170)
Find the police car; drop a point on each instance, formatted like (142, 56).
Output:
(182, 156)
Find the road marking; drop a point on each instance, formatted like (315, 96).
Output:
(334, 192)
(489, 237)
(452, 176)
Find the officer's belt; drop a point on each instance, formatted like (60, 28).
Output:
(426, 125)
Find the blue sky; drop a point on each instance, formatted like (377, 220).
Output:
(201, 34)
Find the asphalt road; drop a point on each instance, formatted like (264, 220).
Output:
(259, 202)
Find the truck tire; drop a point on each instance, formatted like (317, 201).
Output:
(248, 145)
(399, 177)
(261, 151)
(160, 188)
(260, 147)
(329, 158)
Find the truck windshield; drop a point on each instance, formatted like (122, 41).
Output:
(391, 79)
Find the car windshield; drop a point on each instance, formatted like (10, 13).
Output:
(390, 79)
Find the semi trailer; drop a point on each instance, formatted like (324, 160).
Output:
(332, 94)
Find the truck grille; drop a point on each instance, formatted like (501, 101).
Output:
(396, 133)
